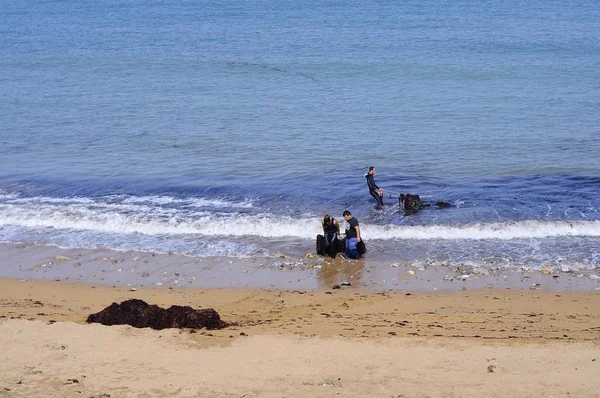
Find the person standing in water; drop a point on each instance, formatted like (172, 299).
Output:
(331, 230)
(352, 235)
(374, 189)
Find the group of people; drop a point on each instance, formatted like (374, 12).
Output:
(331, 228)
(410, 203)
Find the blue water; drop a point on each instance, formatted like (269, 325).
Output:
(227, 128)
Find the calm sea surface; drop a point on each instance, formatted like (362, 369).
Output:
(228, 127)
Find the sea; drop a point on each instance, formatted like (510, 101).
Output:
(227, 128)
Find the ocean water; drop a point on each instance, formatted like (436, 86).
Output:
(228, 127)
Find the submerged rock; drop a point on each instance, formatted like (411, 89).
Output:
(140, 314)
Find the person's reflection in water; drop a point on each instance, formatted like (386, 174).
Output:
(337, 271)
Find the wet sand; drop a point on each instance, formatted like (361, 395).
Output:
(346, 342)
(117, 268)
(292, 334)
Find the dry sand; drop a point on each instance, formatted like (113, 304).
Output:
(327, 343)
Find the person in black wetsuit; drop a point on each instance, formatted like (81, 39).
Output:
(331, 230)
(374, 190)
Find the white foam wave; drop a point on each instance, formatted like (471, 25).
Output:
(7, 196)
(190, 202)
(42, 199)
(124, 200)
(166, 222)
(162, 221)
(529, 229)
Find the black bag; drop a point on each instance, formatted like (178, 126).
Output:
(337, 246)
(320, 245)
(341, 245)
(361, 248)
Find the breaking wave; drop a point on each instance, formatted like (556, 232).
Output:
(197, 216)
(528, 229)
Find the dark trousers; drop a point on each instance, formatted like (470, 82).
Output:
(330, 240)
(378, 197)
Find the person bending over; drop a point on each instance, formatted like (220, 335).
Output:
(413, 203)
(374, 190)
(352, 235)
(331, 230)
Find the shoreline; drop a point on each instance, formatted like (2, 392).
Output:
(348, 341)
(143, 269)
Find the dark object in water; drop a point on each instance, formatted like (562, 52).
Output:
(412, 203)
(140, 314)
(339, 246)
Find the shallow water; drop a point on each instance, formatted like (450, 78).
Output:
(228, 128)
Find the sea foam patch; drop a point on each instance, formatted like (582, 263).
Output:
(115, 200)
(526, 229)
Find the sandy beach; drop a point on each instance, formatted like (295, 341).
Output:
(296, 343)
(183, 160)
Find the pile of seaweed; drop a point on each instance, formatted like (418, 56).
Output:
(140, 314)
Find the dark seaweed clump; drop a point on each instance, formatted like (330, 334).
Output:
(140, 314)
